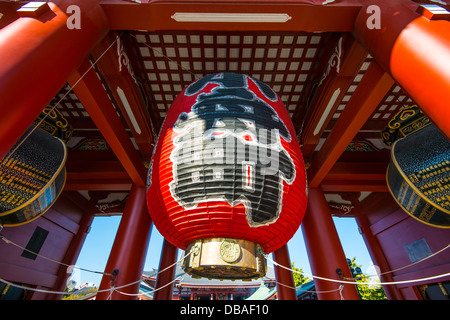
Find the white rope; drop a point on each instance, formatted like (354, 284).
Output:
(296, 288)
(43, 290)
(49, 259)
(341, 288)
(111, 290)
(152, 291)
(366, 283)
(409, 265)
(146, 278)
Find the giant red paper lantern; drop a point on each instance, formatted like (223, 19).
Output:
(227, 178)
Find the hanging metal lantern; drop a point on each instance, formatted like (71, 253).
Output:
(227, 180)
(32, 175)
(418, 175)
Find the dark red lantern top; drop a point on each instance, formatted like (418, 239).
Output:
(227, 164)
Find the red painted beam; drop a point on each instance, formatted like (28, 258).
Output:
(375, 250)
(89, 90)
(74, 249)
(373, 171)
(301, 15)
(324, 249)
(363, 102)
(96, 175)
(354, 186)
(9, 13)
(116, 69)
(415, 51)
(37, 54)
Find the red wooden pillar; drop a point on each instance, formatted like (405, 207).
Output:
(375, 251)
(285, 279)
(38, 54)
(129, 248)
(414, 49)
(324, 249)
(378, 257)
(168, 258)
(75, 248)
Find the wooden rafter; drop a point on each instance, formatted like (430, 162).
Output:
(115, 67)
(97, 175)
(356, 177)
(334, 87)
(366, 98)
(92, 95)
(310, 15)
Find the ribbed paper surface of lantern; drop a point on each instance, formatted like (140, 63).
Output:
(227, 164)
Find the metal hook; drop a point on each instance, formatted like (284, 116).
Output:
(340, 273)
(113, 276)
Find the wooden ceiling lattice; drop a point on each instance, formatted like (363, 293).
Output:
(351, 89)
(285, 61)
(71, 108)
(395, 100)
(392, 103)
(173, 60)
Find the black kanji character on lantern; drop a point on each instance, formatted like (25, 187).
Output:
(228, 148)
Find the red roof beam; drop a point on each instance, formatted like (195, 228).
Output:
(115, 67)
(298, 15)
(374, 171)
(343, 65)
(354, 186)
(103, 184)
(412, 43)
(92, 95)
(31, 73)
(97, 175)
(363, 102)
(356, 177)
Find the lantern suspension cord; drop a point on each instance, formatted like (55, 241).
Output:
(138, 294)
(49, 259)
(409, 265)
(145, 278)
(111, 290)
(295, 288)
(357, 283)
(5, 159)
(43, 290)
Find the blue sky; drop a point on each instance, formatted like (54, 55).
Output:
(95, 252)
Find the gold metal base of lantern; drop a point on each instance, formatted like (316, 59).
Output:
(225, 259)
